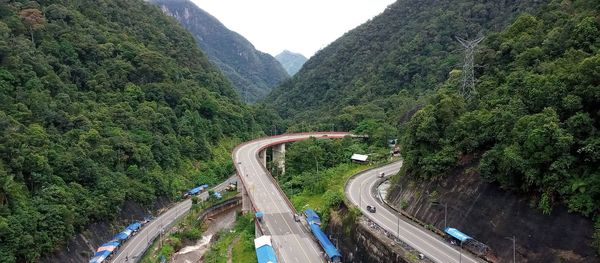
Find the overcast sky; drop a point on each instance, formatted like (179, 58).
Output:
(302, 26)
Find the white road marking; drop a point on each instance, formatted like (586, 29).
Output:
(270, 191)
(386, 214)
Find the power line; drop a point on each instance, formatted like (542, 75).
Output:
(468, 73)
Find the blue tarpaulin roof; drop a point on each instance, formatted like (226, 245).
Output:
(312, 217)
(103, 253)
(264, 250)
(194, 191)
(456, 234)
(198, 189)
(330, 249)
(134, 226)
(123, 235)
(100, 257)
(266, 254)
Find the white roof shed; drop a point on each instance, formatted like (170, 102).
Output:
(359, 157)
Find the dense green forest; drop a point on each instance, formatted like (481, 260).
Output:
(101, 102)
(532, 125)
(381, 69)
(534, 122)
(253, 73)
(317, 170)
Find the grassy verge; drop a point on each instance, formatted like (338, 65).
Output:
(333, 193)
(242, 250)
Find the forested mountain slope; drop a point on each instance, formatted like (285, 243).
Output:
(253, 73)
(377, 70)
(100, 102)
(533, 126)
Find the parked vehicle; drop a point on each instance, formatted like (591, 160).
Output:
(371, 209)
(231, 187)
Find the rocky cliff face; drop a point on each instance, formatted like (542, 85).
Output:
(253, 73)
(362, 241)
(82, 247)
(291, 62)
(490, 215)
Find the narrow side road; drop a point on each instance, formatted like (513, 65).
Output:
(359, 191)
(134, 248)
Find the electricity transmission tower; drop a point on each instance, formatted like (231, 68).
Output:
(468, 74)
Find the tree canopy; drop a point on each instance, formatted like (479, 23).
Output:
(534, 120)
(389, 63)
(101, 102)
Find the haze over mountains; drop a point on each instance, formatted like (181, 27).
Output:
(253, 73)
(291, 62)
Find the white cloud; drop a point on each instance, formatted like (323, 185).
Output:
(300, 26)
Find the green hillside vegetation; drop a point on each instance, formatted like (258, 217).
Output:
(102, 102)
(253, 73)
(535, 121)
(317, 170)
(379, 70)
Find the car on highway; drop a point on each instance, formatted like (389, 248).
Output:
(371, 209)
(296, 218)
(381, 175)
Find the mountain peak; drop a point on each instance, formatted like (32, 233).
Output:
(252, 73)
(292, 62)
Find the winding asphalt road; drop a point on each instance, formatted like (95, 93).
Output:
(359, 191)
(135, 247)
(291, 241)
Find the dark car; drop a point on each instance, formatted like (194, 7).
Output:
(371, 209)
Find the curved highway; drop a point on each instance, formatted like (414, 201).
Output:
(291, 241)
(359, 191)
(133, 249)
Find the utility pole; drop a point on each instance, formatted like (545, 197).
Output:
(468, 73)
(445, 212)
(514, 240)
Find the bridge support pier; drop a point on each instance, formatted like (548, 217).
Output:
(279, 157)
(245, 198)
(263, 157)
